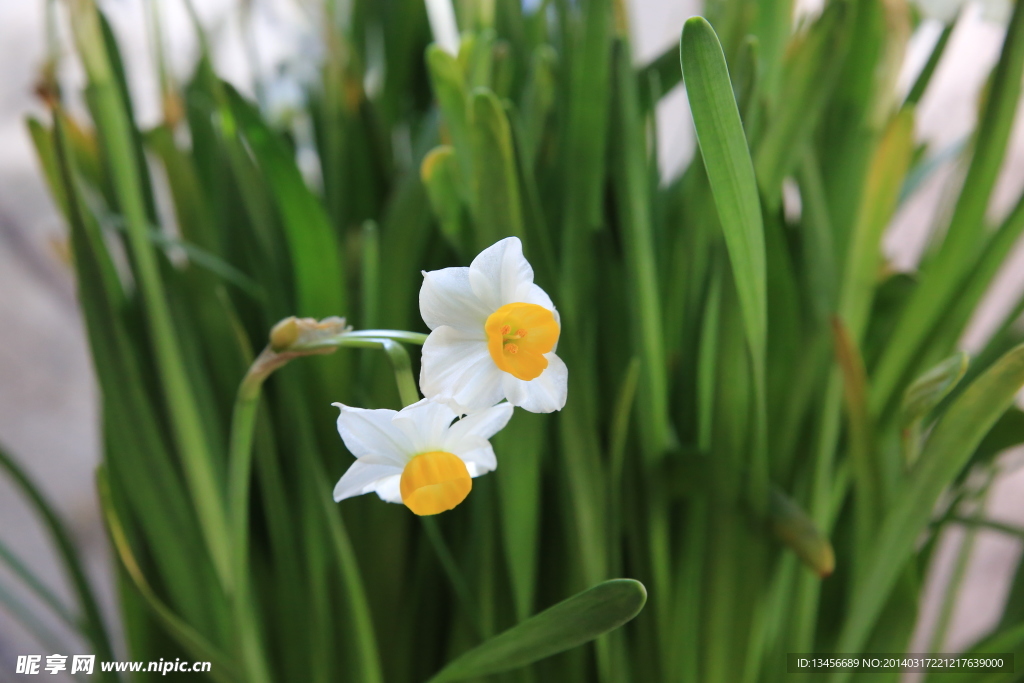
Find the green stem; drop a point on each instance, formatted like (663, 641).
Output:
(243, 422)
(299, 338)
(398, 335)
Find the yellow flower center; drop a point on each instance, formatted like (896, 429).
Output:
(518, 336)
(434, 482)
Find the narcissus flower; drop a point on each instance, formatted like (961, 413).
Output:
(493, 335)
(417, 456)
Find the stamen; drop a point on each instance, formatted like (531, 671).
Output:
(519, 335)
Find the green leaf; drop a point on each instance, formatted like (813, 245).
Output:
(315, 253)
(223, 668)
(92, 625)
(128, 174)
(943, 277)
(587, 138)
(812, 65)
(495, 184)
(796, 529)
(157, 495)
(570, 623)
(449, 85)
(723, 147)
(519, 488)
(928, 390)
(925, 77)
(538, 101)
(632, 192)
(440, 175)
(1007, 432)
(923, 396)
(948, 449)
(878, 202)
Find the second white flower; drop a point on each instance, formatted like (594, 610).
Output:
(493, 335)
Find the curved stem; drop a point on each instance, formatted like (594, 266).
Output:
(398, 335)
(304, 338)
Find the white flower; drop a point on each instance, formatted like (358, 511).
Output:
(493, 335)
(417, 456)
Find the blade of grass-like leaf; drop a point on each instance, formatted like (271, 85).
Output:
(449, 87)
(588, 105)
(538, 102)
(440, 175)
(632, 190)
(92, 624)
(362, 620)
(923, 396)
(320, 286)
(455, 576)
(43, 139)
(116, 133)
(813, 62)
(568, 624)
(866, 471)
(158, 497)
(943, 277)
(21, 570)
(947, 450)
(222, 668)
(519, 488)
(663, 70)
(978, 281)
(885, 175)
(796, 529)
(965, 552)
(819, 251)
(24, 615)
(495, 184)
(723, 147)
(369, 275)
(925, 77)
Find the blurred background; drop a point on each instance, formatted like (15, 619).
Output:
(48, 402)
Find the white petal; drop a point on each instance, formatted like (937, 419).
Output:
(530, 293)
(389, 489)
(499, 272)
(425, 424)
(544, 394)
(362, 477)
(458, 369)
(483, 425)
(370, 432)
(447, 299)
(478, 455)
